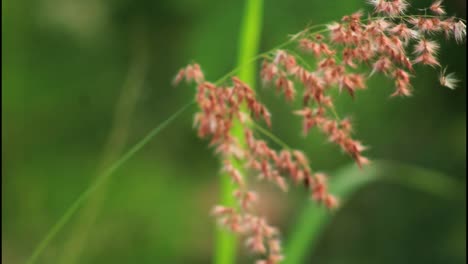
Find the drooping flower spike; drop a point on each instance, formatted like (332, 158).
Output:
(354, 49)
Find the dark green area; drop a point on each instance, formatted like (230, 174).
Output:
(64, 65)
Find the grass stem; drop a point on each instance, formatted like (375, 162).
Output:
(226, 243)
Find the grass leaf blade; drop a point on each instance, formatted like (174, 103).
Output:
(346, 182)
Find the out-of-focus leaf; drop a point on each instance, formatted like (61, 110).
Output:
(349, 180)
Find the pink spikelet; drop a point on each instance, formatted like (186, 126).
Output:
(343, 58)
(437, 8)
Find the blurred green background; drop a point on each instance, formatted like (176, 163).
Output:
(84, 80)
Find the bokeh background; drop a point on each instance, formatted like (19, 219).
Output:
(85, 80)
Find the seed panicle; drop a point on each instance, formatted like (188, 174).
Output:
(387, 42)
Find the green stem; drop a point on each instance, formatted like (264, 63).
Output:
(226, 243)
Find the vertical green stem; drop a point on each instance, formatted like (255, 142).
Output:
(226, 243)
(249, 40)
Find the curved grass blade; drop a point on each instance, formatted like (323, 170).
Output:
(347, 182)
(99, 181)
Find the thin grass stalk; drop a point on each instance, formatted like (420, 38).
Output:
(115, 143)
(99, 182)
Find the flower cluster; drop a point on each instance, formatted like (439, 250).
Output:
(356, 48)
(219, 107)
